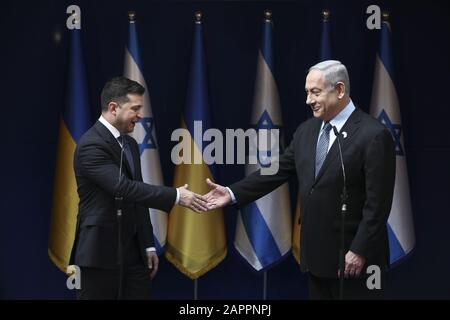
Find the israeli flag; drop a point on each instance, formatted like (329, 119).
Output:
(385, 107)
(264, 227)
(145, 135)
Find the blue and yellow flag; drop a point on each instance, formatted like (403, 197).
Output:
(196, 242)
(75, 120)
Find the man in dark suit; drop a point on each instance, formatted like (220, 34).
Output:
(105, 153)
(369, 158)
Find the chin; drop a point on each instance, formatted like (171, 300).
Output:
(318, 115)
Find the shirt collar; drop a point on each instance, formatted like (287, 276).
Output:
(341, 118)
(110, 127)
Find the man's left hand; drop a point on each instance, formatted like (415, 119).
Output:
(153, 261)
(354, 264)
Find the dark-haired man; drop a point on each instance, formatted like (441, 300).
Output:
(97, 165)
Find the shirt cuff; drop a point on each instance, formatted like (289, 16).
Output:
(233, 198)
(151, 249)
(177, 200)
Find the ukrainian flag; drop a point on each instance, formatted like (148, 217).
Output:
(196, 242)
(296, 233)
(74, 121)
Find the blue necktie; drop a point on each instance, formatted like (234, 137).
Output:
(322, 146)
(127, 151)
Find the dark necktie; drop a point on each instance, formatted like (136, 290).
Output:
(127, 152)
(322, 146)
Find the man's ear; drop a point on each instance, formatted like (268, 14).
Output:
(112, 108)
(340, 87)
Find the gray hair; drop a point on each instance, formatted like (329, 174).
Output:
(334, 71)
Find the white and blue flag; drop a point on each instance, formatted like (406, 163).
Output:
(144, 133)
(385, 107)
(264, 227)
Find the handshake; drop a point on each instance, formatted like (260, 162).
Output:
(218, 197)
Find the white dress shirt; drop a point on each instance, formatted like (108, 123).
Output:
(338, 121)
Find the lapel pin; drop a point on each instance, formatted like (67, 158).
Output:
(344, 134)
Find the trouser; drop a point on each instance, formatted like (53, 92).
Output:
(354, 288)
(103, 284)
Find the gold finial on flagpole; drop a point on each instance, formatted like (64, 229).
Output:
(385, 16)
(326, 14)
(198, 17)
(268, 15)
(131, 16)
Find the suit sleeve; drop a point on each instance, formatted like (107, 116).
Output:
(257, 185)
(96, 164)
(379, 171)
(147, 228)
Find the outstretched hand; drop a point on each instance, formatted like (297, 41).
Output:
(218, 197)
(191, 200)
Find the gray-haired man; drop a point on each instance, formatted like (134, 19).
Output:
(313, 155)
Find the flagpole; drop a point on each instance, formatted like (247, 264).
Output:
(265, 285)
(196, 289)
(325, 41)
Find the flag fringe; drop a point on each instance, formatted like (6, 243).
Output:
(194, 275)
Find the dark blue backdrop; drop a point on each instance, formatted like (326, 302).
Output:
(33, 66)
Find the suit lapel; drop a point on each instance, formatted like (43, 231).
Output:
(114, 145)
(350, 126)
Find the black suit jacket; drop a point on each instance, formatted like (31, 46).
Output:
(369, 157)
(96, 164)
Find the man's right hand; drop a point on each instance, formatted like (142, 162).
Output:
(191, 200)
(218, 197)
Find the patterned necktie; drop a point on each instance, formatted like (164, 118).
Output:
(322, 147)
(127, 152)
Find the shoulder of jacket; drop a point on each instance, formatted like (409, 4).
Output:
(309, 123)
